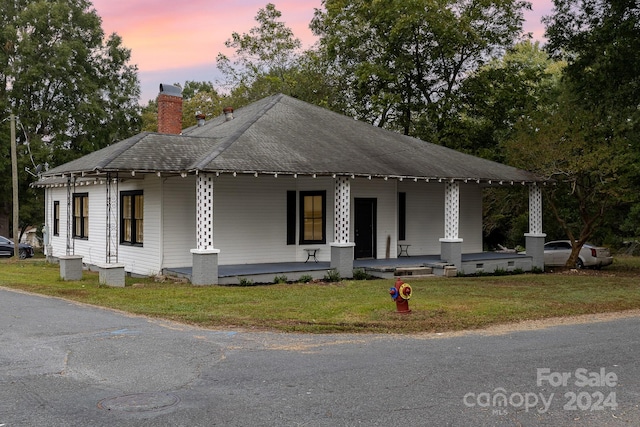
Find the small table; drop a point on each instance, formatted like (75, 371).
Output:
(404, 249)
(311, 253)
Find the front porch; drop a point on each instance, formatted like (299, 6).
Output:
(384, 268)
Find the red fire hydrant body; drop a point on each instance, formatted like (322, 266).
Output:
(401, 293)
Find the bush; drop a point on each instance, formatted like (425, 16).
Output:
(332, 276)
(305, 278)
(243, 281)
(361, 274)
(280, 279)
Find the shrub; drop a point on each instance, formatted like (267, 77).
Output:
(243, 281)
(280, 279)
(332, 276)
(305, 278)
(361, 274)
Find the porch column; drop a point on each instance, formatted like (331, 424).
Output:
(111, 273)
(535, 237)
(341, 248)
(204, 270)
(451, 244)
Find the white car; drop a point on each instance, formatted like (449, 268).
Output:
(557, 253)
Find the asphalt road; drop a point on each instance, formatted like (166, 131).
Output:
(65, 364)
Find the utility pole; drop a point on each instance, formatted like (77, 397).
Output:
(14, 178)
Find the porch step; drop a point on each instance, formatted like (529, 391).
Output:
(412, 271)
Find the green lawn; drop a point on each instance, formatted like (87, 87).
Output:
(437, 305)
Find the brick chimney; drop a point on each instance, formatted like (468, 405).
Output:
(170, 109)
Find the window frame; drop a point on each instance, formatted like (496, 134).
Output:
(323, 218)
(134, 222)
(83, 218)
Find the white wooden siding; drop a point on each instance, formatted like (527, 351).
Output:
(93, 248)
(471, 218)
(425, 217)
(178, 230)
(250, 219)
(143, 260)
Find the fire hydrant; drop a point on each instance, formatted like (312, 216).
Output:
(401, 293)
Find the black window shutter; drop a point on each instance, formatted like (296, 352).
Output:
(291, 217)
(402, 216)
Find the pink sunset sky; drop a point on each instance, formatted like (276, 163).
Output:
(172, 41)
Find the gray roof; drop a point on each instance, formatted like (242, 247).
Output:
(283, 135)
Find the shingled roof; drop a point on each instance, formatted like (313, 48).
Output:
(283, 135)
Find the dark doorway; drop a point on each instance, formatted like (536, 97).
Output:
(365, 228)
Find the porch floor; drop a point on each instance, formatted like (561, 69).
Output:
(243, 270)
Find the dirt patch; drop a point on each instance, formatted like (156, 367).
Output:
(590, 272)
(531, 325)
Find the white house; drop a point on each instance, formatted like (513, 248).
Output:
(277, 181)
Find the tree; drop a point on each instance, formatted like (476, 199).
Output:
(73, 90)
(402, 61)
(200, 98)
(600, 39)
(491, 101)
(263, 57)
(565, 141)
(495, 97)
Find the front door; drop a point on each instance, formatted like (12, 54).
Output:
(365, 228)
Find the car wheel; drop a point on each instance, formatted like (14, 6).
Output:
(22, 254)
(579, 264)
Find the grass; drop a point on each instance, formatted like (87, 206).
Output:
(437, 305)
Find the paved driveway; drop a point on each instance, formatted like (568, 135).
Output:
(65, 364)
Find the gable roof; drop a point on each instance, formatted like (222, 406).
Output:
(283, 135)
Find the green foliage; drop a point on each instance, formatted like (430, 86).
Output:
(497, 95)
(332, 276)
(243, 281)
(262, 57)
(305, 278)
(600, 41)
(631, 225)
(401, 61)
(71, 87)
(361, 274)
(591, 167)
(280, 279)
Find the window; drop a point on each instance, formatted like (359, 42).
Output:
(132, 217)
(81, 215)
(312, 217)
(402, 216)
(56, 218)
